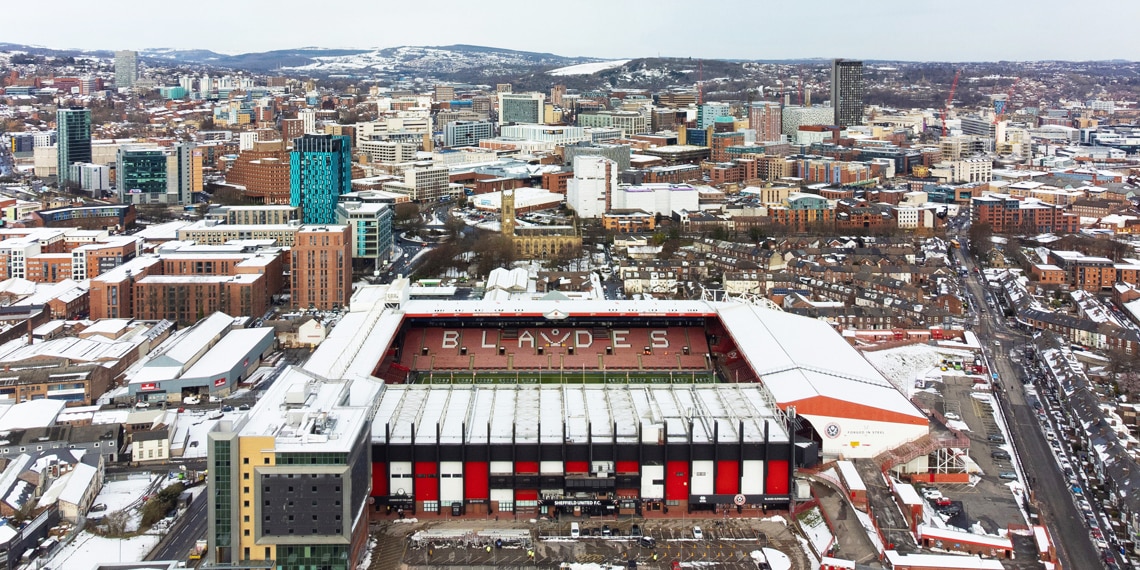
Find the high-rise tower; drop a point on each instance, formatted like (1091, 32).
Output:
(74, 128)
(320, 170)
(847, 91)
(126, 68)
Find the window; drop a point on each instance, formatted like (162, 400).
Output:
(245, 476)
(245, 490)
(245, 460)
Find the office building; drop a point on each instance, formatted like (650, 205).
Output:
(467, 133)
(847, 92)
(443, 93)
(93, 178)
(630, 122)
(521, 108)
(619, 153)
(322, 267)
(370, 224)
(589, 192)
(708, 113)
(766, 119)
(126, 69)
(320, 170)
(152, 175)
(73, 126)
(389, 152)
(292, 492)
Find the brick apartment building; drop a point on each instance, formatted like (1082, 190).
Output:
(322, 267)
(1004, 213)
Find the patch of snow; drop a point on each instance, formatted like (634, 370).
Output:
(905, 364)
(88, 549)
(869, 527)
(777, 560)
(588, 68)
(815, 528)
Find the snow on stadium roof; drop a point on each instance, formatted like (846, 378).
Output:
(537, 414)
(799, 358)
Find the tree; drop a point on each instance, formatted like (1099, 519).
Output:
(981, 239)
(115, 523)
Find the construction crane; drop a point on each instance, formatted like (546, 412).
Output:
(1008, 102)
(950, 99)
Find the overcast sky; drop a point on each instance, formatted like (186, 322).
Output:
(965, 30)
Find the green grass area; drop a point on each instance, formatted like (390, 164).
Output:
(566, 377)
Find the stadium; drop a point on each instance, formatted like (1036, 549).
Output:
(604, 407)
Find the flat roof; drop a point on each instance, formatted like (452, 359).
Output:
(572, 413)
(223, 356)
(304, 413)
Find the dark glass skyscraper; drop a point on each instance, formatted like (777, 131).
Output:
(847, 91)
(320, 170)
(74, 130)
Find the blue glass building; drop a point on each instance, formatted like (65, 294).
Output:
(320, 170)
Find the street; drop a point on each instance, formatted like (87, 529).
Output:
(1050, 491)
(189, 530)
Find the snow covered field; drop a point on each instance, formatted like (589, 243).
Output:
(588, 68)
(905, 364)
(87, 550)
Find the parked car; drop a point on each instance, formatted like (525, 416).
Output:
(1000, 454)
(951, 511)
(635, 530)
(142, 405)
(647, 542)
(227, 408)
(243, 407)
(997, 438)
(1009, 475)
(698, 533)
(606, 531)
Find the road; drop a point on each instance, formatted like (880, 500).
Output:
(190, 530)
(1051, 494)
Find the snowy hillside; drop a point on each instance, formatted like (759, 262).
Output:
(435, 60)
(588, 68)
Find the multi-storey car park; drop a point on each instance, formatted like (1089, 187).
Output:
(477, 408)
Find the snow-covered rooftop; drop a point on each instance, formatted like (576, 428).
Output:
(575, 413)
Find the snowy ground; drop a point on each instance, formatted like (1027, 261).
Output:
(905, 364)
(88, 550)
(125, 495)
(588, 68)
(815, 527)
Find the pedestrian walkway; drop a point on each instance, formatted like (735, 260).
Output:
(851, 540)
(884, 510)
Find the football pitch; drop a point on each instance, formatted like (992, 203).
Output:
(566, 377)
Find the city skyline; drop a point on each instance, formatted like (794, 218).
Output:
(892, 30)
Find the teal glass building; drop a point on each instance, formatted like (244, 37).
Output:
(320, 170)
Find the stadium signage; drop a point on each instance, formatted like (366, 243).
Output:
(578, 338)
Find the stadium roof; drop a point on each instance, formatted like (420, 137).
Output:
(576, 413)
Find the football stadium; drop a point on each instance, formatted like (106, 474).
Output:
(604, 407)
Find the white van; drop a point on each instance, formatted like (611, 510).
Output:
(575, 532)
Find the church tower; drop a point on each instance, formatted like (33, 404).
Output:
(507, 210)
